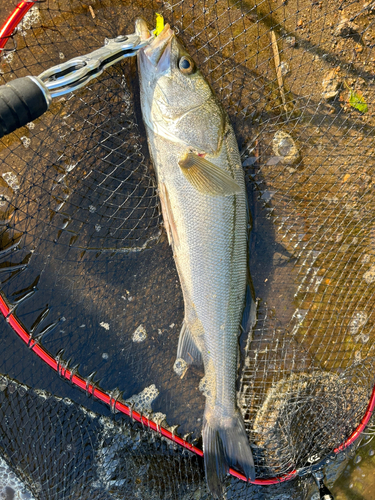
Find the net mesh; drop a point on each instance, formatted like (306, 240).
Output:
(85, 455)
(85, 263)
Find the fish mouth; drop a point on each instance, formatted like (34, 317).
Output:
(159, 51)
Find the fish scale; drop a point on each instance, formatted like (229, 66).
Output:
(205, 213)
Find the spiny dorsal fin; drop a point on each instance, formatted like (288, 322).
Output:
(206, 177)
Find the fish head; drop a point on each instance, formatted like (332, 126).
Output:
(177, 102)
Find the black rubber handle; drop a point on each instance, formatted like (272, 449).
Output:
(21, 101)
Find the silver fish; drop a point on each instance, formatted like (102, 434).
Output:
(203, 198)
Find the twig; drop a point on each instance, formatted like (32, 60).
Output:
(276, 57)
(92, 11)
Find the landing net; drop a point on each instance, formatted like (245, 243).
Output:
(86, 273)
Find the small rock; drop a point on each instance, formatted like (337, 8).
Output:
(358, 320)
(330, 84)
(290, 41)
(363, 337)
(369, 275)
(104, 325)
(284, 147)
(366, 258)
(346, 28)
(284, 66)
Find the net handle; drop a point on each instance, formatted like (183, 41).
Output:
(6, 33)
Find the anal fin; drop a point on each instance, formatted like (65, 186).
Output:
(187, 347)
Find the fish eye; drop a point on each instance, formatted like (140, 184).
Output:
(186, 65)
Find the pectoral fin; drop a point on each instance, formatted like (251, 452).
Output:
(206, 177)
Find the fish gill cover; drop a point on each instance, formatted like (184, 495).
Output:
(86, 266)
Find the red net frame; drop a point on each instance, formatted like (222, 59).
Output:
(70, 375)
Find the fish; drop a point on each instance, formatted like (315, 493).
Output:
(201, 186)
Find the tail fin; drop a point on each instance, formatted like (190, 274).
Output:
(226, 446)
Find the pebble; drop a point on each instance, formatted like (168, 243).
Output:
(291, 41)
(284, 66)
(359, 319)
(346, 28)
(284, 147)
(330, 84)
(369, 275)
